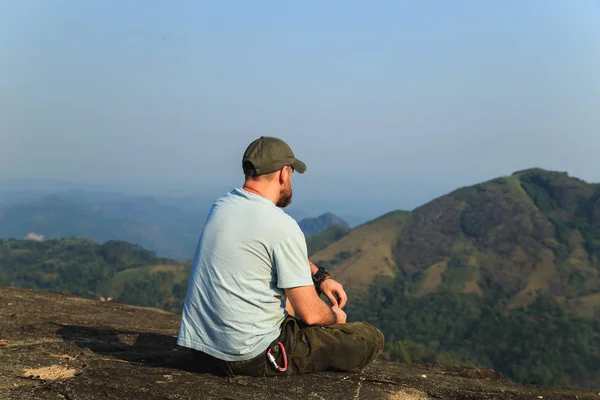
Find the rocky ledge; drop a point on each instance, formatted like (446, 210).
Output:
(56, 346)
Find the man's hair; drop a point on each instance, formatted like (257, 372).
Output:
(254, 177)
(250, 175)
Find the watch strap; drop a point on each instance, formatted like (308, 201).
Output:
(321, 275)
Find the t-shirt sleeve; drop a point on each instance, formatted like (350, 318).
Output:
(290, 257)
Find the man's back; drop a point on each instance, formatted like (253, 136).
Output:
(248, 251)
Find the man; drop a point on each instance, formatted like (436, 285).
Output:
(252, 305)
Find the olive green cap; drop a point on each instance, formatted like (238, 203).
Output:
(269, 154)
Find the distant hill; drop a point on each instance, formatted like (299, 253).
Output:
(312, 226)
(513, 261)
(116, 269)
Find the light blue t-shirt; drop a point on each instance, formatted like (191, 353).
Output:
(248, 252)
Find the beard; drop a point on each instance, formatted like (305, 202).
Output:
(285, 195)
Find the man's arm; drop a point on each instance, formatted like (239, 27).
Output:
(308, 307)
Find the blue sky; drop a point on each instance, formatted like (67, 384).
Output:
(392, 101)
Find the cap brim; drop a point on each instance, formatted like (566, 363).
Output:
(299, 166)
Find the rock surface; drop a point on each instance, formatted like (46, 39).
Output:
(55, 346)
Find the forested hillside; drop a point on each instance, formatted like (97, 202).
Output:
(120, 270)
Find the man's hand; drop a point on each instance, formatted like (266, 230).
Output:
(339, 315)
(335, 293)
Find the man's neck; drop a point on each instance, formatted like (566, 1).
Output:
(252, 190)
(259, 191)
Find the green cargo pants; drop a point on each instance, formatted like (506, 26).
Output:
(340, 347)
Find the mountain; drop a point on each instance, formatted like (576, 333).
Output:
(163, 228)
(116, 269)
(312, 226)
(503, 274)
(514, 235)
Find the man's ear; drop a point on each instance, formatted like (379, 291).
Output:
(284, 174)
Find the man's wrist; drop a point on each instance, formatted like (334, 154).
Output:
(319, 276)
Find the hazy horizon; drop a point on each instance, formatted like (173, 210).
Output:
(390, 102)
(356, 208)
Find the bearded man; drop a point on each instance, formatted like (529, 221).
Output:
(253, 304)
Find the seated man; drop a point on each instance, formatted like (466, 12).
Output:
(252, 306)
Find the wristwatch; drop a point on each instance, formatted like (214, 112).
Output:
(319, 276)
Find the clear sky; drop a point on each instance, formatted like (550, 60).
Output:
(390, 100)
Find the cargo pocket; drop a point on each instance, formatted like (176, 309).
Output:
(297, 348)
(302, 355)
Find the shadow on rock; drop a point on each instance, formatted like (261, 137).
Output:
(150, 349)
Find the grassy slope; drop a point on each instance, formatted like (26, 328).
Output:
(365, 252)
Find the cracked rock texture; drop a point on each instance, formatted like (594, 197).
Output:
(56, 346)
